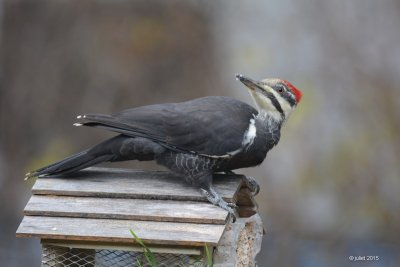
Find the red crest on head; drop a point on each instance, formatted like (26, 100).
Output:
(297, 93)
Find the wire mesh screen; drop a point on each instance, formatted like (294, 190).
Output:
(57, 256)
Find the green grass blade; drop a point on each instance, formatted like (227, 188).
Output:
(209, 256)
(139, 263)
(146, 251)
(137, 239)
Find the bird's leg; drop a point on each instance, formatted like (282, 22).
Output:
(250, 182)
(217, 200)
(207, 189)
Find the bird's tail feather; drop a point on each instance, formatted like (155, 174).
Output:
(71, 164)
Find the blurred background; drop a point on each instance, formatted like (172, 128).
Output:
(329, 190)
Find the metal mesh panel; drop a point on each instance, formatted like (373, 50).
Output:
(60, 256)
(56, 256)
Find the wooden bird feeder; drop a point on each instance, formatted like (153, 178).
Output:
(85, 219)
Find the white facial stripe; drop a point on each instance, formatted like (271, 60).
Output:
(264, 104)
(284, 104)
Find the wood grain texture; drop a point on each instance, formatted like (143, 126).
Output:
(105, 230)
(128, 209)
(123, 183)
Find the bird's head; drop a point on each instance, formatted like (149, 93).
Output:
(275, 97)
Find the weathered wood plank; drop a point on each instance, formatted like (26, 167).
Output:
(127, 209)
(95, 182)
(105, 230)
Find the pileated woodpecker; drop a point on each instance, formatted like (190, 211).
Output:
(193, 139)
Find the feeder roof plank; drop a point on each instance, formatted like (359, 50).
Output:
(106, 230)
(128, 209)
(123, 183)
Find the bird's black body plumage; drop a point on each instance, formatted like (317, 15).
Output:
(206, 129)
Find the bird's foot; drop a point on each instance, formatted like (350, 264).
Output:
(215, 199)
(231, 208)
(250, 182)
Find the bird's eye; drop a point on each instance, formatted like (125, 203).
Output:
(280, 89)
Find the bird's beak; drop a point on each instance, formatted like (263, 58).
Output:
(250, 83)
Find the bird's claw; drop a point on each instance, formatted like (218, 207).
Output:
(231, 205)
(232, 212)
(250, 182)
(231, 217)
(252, 185)
(230, 208)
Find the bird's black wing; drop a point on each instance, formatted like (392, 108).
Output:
(209, 126)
